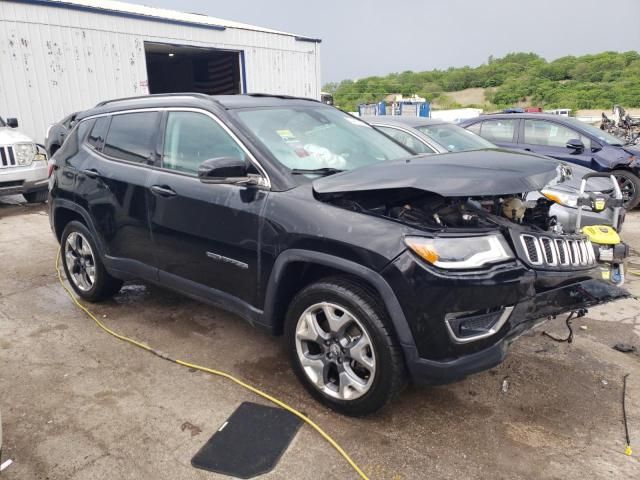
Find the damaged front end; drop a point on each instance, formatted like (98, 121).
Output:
(482, 266)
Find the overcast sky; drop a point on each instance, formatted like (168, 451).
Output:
(362, 38)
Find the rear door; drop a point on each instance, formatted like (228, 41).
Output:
(550, 138)
(205, 236)
(501, 131)
(112, 185)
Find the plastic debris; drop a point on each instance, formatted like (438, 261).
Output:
(5, 464)
(505, 385)
(624, 348)
(584, 327)
(604, 382)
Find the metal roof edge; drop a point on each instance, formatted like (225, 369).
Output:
(154, 13)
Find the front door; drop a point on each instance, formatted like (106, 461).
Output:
(205, 236)
(550, 139)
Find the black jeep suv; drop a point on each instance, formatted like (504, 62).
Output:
(378, 267)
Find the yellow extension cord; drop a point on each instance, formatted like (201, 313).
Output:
(211, 371)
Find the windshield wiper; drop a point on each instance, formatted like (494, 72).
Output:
(315, 171)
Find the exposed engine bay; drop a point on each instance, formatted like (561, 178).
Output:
(430, 211)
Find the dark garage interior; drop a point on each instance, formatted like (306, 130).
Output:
(179, 68)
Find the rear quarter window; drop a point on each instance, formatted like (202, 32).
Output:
(98, 133)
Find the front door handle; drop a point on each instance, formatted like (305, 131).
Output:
(527, 149)
(163, 191)
(91, 173)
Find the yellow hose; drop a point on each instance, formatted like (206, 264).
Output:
(212, 371)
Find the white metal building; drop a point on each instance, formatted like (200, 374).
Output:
(60, 56)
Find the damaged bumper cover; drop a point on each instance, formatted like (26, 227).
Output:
(463, 324)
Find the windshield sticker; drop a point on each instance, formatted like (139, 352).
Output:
(287, 135)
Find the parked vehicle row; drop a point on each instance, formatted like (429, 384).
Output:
(379, 266)
(566, 139)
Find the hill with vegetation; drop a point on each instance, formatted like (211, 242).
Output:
(586, 82)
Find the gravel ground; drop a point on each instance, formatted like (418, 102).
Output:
(78, 404)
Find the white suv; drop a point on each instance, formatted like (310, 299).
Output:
(23, 170)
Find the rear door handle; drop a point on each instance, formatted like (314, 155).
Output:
(163, 191)
(527, 149)
(91, 173)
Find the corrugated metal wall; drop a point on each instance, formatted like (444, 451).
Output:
(54, 60)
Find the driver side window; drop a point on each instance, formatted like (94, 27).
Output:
(541, 132)
(191, 138)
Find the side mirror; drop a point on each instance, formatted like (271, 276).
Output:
(576, 145)
(225, 170)
(12, 122)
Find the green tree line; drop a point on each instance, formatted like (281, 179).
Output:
(590, 81)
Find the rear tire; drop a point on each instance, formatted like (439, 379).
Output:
(352, 363)
(630, 185)
(36, 197)
(83, 266)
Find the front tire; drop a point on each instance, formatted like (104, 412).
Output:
(36, 197)
(83, 266)
(630, 186)
(342, 347)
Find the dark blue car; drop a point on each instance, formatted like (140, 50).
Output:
(566, 139)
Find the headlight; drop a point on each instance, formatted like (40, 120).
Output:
(25, 153)
(461, 253)
(563, 198)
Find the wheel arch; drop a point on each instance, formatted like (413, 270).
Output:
(295, 268)
(65, 211)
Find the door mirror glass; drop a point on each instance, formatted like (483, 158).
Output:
(12, 122)
(230, 170)
(575, 144)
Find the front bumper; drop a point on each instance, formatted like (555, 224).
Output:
(17, 180)
(428, 297)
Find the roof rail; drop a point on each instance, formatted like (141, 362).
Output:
(276, 95)
(157, 95)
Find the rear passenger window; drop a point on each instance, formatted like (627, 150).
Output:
(499, 130)
(98, 133)
(475, 128)
(132, 137)
(407, 140)
(191, 138)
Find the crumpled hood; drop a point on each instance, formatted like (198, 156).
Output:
(9, 136)
(473, 173)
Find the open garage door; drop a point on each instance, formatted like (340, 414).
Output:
(180, 68)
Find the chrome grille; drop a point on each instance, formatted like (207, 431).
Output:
(532, 249)
(558, 252)
(563, 252)
(7, 158)
(549, 251)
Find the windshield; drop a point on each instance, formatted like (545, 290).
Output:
(312, 138)
(596, 132)
(454, 138)
(2, 124)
